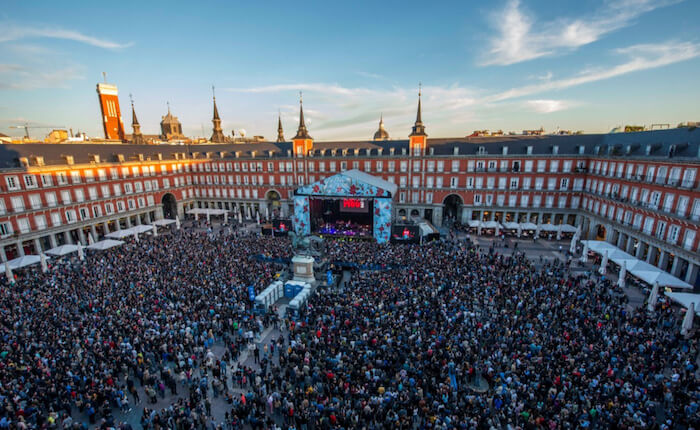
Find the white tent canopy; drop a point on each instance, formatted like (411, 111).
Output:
(568, 228)
(549, 227)
(119, 234)
(511, 225)
(492, 224)
(635, 267)
(62, 250)
(105, 244)
(206, 211)
(23, 261)
(141, 228)
(685, 300)
(528, 226)
(164, 221)
(475, 223)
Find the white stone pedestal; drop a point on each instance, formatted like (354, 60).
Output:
(303, 268)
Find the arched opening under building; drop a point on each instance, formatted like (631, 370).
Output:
(402, 213)
(600, 232)
(453, 208)
(169, 206)
(273, 203)
(414, 213)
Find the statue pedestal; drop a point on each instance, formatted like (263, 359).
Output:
(303, 268)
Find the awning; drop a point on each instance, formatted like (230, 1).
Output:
(23, 261)
(475, 223)
(492, 224)
(568, 228)
(528, 226)
(205, 211)
(140, 228)
(105, 244)
(636, 267)
(164, 221)
(549, 227)
(685, 300)
(511, 225)
(62, 250)
(120, 234)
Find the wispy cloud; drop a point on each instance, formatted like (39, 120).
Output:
(520, 37)
(13, 32)
(639, 57)
(17, 77)
(340, 108)
(549, 106)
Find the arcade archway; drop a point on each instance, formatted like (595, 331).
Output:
(169, 206)
(453, 207)
(274, 204)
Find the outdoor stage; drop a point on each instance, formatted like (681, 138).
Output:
(351, 204)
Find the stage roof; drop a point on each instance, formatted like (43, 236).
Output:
(352, 183)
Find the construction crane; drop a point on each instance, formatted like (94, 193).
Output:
(26, 128)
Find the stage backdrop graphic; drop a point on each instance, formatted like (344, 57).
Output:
(302, 218)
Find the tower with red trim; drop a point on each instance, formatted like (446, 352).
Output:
(418, 139)
(303, 143)
(112, 122)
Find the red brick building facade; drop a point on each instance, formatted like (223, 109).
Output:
(639, 191)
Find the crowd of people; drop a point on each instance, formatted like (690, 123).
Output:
(438, 336)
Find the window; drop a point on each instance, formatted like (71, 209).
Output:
(12, 183)
(528, 166)
(35, 201)
(70, 216)
(513, 183)
(3, 209)
(402, 181)
(128, 188)
(689, 240)
(89, 176)
(404, 166)
(109, 208)
(416, 181)
(539, 182)
(17, 203)
(65, 197)
(30, 181)
(120, 206)
(46, 180)
(5, 229)
(79, 195)
(55, 219)
(438, 183)
(477, 199)
(454, 182)
(455, 165)
(416, 166)
(526, 183)
(551, 183)
(75, 176)
(440, 166)
(96, 211)
(541, 165)
(554, 166)
(564, 184)
(23, 225)
(524, 200)
(431, 165)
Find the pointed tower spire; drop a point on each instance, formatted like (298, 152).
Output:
(418, 127)
(280, 131)
(302, 132)
(381, 133)
(136, 136)
(218, 135)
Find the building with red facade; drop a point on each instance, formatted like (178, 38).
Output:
(639, 191)
(112, 122)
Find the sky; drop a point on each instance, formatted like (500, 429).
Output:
(501, 65)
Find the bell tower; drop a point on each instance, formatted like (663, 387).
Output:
(303, 143)
(418, 139)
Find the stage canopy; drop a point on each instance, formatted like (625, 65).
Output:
(352, 183)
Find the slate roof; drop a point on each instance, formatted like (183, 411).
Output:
(686, 143)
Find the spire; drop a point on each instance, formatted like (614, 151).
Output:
(280, 131)
(381, 133)
(418, 127)
(217, 135)
(136, 136)
(302, 132)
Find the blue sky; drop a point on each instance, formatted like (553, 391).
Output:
(505, 64)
